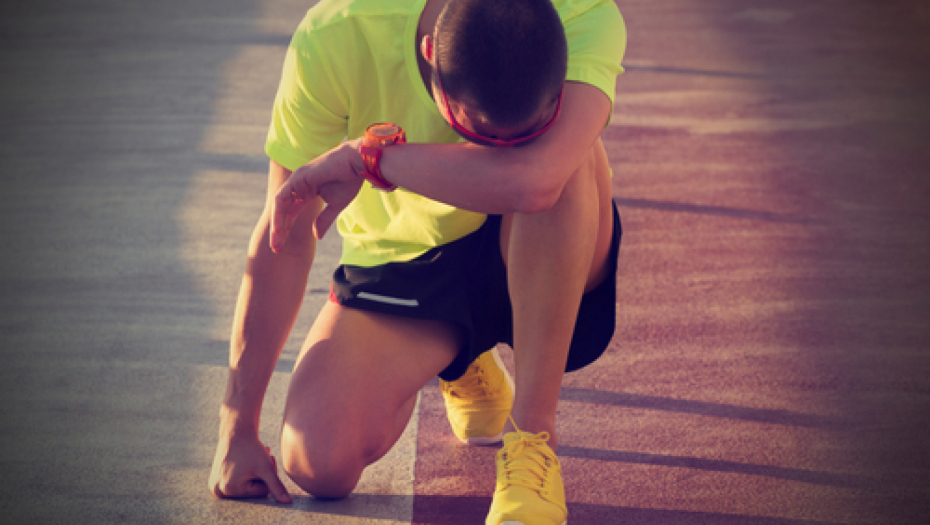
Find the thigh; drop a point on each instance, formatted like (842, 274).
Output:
(354, 383)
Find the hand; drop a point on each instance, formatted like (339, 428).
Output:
(333, 176)
(245, 468)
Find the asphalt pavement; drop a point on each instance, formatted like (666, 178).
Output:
(772, 358)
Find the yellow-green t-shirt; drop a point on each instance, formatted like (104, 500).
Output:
(352, 63)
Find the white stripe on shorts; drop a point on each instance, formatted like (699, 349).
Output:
(413, 303)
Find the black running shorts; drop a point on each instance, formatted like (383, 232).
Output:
(465, 282)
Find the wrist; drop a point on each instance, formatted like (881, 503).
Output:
(371, 148)
(242, 406)
(236, 421)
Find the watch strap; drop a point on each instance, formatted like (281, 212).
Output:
(372, 173)
(377, 137)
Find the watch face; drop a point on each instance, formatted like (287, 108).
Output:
(384, 130)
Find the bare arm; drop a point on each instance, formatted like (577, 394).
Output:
(525, 179)
(270, 295)
(269, 299)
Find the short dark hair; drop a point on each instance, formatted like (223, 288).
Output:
(505, 58)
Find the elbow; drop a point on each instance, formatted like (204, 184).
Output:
(530, 183)
(537, 197)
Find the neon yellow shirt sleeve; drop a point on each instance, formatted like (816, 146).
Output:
(596, 37)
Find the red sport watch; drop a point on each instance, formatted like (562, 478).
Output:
(377, 137)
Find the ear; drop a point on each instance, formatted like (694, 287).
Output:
(426, 48)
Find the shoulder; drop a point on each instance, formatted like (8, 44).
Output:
(597, 40)
(333, 24)
(330, 13)
(593, 27)
(569, 10)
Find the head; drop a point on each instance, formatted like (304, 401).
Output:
(498, 67)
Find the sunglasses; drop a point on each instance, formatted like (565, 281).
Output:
(489, 141)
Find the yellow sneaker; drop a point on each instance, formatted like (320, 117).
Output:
(478, 403)
(529, 483)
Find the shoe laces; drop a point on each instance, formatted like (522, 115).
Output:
(527, 461)
(472, 385)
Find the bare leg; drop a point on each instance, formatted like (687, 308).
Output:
(352, 393)
(552, 258)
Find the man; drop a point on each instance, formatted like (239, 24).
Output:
(508, 236)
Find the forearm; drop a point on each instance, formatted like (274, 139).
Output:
(474, 178)
(523, 179)
(270, 296)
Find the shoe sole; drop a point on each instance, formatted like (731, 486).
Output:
(483, 441)
(520, 523)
